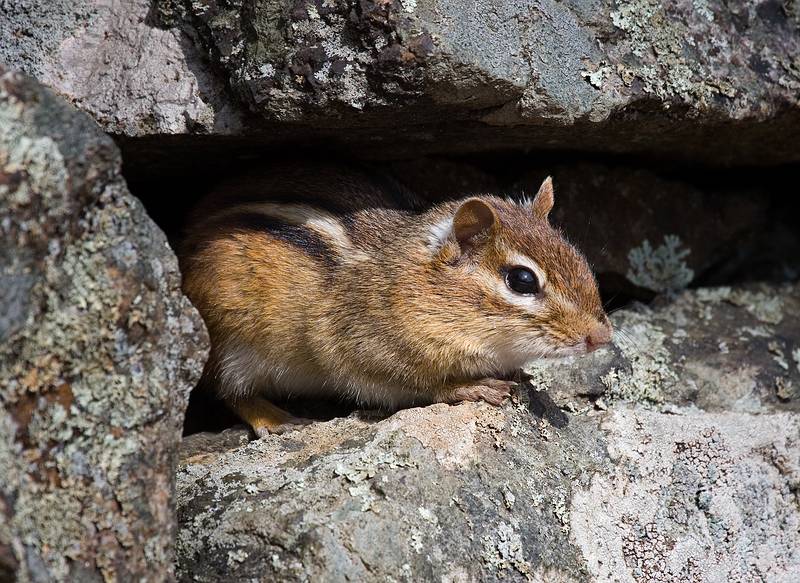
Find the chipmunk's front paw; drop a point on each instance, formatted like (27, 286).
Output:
(493, 391)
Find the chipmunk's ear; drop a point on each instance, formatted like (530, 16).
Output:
(543, 201)
(475, 219)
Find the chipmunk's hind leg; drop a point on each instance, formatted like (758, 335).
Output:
(264, 417)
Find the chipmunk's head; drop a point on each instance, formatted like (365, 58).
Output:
(523, 291)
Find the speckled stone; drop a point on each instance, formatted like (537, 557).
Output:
(98, 351)
(621, 71)
(670, 456)
(694, 79)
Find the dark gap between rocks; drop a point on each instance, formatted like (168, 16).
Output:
(737, 223)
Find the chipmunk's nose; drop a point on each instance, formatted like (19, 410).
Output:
(598, 336)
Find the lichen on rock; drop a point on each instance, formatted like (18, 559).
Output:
(660, 269)
(648, 375)
(587, 76)
(707, 497)
(99, 351)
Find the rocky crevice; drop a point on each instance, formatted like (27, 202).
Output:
(670, 129)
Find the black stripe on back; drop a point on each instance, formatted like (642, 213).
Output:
(302, 238)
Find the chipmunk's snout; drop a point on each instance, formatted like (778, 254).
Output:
(598, 336)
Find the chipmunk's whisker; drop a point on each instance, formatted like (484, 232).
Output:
(627, 340)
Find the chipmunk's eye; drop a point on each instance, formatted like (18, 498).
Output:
(522, 280)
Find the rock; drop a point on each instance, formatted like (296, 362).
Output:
(98, 351)
(705, 497)
(108, 59)
(715, 81)
(718, 349)
(620, 71)
(684, 469)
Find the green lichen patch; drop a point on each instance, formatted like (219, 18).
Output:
(662, 268)
(710, 348)
(764, 304)
(503, 551)
(660, 41)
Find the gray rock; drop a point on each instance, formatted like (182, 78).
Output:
(547, 64)
(109, 60)
(98, 351)
(681, 464)
(702, 80)
(718, 349)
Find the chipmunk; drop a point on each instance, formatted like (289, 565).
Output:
(324, 281)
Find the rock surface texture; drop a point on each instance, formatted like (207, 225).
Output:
(98, 351)
(673, 455)
(679, 461)
(133, 78)
(436, 75)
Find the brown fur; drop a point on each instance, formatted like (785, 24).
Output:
(364, 301)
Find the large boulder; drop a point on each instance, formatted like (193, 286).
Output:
(108, 59)
(410, 76)
(98, 352)
(672, 456)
